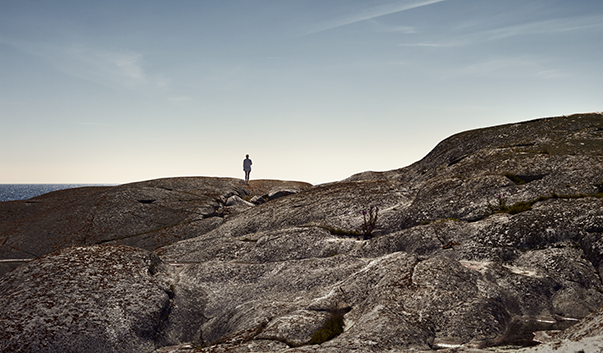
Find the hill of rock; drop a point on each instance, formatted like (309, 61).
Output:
(495, 230)
(147, 214)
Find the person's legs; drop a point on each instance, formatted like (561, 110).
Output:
(247, 176)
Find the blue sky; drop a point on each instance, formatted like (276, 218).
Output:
(314, 90)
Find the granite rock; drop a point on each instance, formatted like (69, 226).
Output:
(84, 299)
(147, 214)
(494, 226)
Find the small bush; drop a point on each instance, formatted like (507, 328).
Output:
(370, 220)
(502, 205)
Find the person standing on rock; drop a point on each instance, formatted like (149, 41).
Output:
(247, 168)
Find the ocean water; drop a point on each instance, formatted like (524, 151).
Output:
(10, 192)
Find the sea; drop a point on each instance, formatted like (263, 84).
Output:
(11, 192)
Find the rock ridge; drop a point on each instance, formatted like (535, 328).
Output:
(147, 214)
(492, 227)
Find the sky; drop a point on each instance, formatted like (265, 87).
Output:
(119, 91)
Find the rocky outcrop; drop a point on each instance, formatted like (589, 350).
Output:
(494, 227)
(508, 228)
(147, 214)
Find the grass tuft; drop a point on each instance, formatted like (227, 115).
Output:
(527, 205)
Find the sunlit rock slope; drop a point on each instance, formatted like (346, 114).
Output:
(493, 226)
(147, 214)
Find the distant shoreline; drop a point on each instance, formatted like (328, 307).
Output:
(17, 192)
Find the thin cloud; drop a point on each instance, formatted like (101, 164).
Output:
(508, 68)
(121, 68)
(551, 74)
(542, 27)
(369, 13)
(431, 45)
(380, 27)
(402, 29)
(117, 68)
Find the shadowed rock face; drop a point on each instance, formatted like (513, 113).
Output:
(493, 226)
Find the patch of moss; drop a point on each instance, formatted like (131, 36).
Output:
(518, 207)
(512, 209)
(527, 205)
